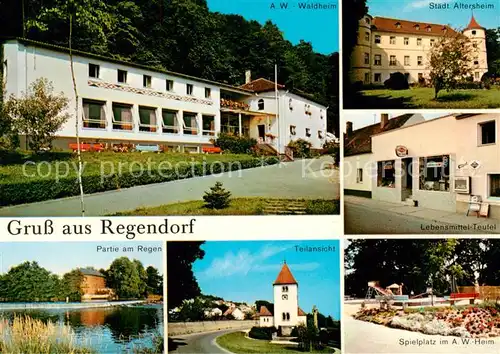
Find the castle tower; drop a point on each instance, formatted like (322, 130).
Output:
(286, 300)
(477, 35)
(361, 57)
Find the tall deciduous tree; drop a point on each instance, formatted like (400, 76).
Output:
(38, 113)
(124, 278)
(449, 61)
(154, 282)
(493, 51)
(180, 259)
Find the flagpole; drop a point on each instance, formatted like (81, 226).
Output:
(277, 106)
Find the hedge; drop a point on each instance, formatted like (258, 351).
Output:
(47, 189)
(265, 333)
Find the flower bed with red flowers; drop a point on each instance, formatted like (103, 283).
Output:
(471, 321)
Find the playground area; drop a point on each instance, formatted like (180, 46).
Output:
(470, 312)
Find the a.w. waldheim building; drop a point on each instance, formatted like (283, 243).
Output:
(387, 45)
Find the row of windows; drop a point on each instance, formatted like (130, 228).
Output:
(122, 75)
(377, 77)
(94, 116)
(293, 131)
(393, 40)
(377, 60)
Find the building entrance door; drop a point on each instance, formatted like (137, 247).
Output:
(262, 132)
(406, 178)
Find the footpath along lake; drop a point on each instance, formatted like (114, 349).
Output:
(104, 329)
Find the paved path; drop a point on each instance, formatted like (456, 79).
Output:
(368, 216)
(365, 337)
(307, 179)
(198, 343)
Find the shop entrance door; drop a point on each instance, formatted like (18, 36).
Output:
(407, 178)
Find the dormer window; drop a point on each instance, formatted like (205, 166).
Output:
(428, 28)
(444, 29)
(398, 24)
(417, 27)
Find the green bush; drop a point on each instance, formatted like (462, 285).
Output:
(397, 81)
(37, 190)
(235, 144)
(217, 197)
(300, 148)
(265, 333)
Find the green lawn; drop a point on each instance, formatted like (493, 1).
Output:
(238, 206)
(424, 98)
(237, 343)
(27, 178)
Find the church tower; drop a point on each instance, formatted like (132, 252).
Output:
(477, 35)
(286, 300)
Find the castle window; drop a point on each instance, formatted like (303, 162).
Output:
(308, 132)
(367, 36)
(377, 59)
(474, 44)
(367, 78)
(260, 105)
(288, 316)
(367, 58)
(392, 40)
(367, 20)
(428, 28)
(432, 42)
(407, 41)
(377, 39)
(474, 32)
(476, 62)
(283, 315)
(398, 25)
(407, 60)
(476, 75)
(392, 60)
(420, 60)
(377, 77)
(419, 41)
(284, 289)
(417, 27)
(293, 130)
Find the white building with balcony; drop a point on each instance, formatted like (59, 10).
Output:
(125, 103)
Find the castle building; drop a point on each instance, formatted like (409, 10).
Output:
(93, 286)
(387, 45)
(287, 313)
(126, 103)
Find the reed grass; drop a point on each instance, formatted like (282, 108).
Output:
(25, 335)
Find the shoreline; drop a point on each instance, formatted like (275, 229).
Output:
(67, 306)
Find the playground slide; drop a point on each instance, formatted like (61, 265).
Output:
(381, 291)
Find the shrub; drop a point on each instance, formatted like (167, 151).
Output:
(265, 333)
(397, 81)
(235, 144)
(217, 197)
(300, 148)
(332, 148)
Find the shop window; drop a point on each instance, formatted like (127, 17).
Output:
(392, 60)
(122, 76)
(386, 174)
(94, 71)
(435, 173)
(487, 133)
(377, 59)
(377, 39)
(494, 182)
(359, 175)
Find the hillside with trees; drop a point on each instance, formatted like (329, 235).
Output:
(178, 35)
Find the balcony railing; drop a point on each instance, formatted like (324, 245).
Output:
(225, 103)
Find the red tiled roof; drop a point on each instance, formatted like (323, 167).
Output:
(361, 140)
(301, 313)
(285, 276)
(261, 85)
(473, 24)
(264, 311)
(385, 24)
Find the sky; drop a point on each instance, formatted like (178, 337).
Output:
(362, 119)
(418, 10)
(61, 257)
(320, 27)
(244, 271)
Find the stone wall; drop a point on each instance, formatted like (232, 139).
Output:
(180, 328)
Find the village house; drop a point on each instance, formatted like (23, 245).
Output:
(125, 103)
(439, 164)
(94, 286)
(287, 313)
(387, 45)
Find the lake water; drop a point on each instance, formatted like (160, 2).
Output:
(106, 330)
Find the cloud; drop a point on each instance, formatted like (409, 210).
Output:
(244, 262)
(419, 4)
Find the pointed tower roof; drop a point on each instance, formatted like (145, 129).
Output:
(264, 312)
(285, 276)
(473, 24)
